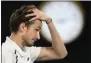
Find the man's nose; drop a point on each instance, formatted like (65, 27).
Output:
(38, 35)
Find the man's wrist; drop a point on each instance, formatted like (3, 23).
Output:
(48, 21)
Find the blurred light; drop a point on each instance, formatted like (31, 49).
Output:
(67, 18)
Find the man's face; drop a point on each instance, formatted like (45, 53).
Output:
(32, 33)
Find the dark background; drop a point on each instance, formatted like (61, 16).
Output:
(78, 50)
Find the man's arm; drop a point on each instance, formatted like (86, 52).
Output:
(58, 50)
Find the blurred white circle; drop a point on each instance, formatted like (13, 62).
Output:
(67, 18)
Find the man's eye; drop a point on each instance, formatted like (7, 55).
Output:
(36, 29)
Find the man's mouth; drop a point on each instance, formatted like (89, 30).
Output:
(34, 40)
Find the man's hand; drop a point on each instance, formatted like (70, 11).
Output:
(39, 15)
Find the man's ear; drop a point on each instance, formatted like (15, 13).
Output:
(22, 27)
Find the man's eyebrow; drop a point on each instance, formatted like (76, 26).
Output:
(39, 27)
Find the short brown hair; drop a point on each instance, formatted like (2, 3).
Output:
(19, 16)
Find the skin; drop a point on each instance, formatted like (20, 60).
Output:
(32, 33)
(25, 36)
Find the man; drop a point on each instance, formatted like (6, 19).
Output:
(25, 25)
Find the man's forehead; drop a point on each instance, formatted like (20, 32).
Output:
(38, 23)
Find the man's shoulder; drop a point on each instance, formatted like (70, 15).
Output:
(6, 48)
(32, 47)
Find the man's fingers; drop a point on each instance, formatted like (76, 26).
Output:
(30, 10)
(35, 18)
(30, 15)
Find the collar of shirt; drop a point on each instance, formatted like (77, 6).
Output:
(15, 46)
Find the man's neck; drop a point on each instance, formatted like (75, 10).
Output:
(17, 39)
